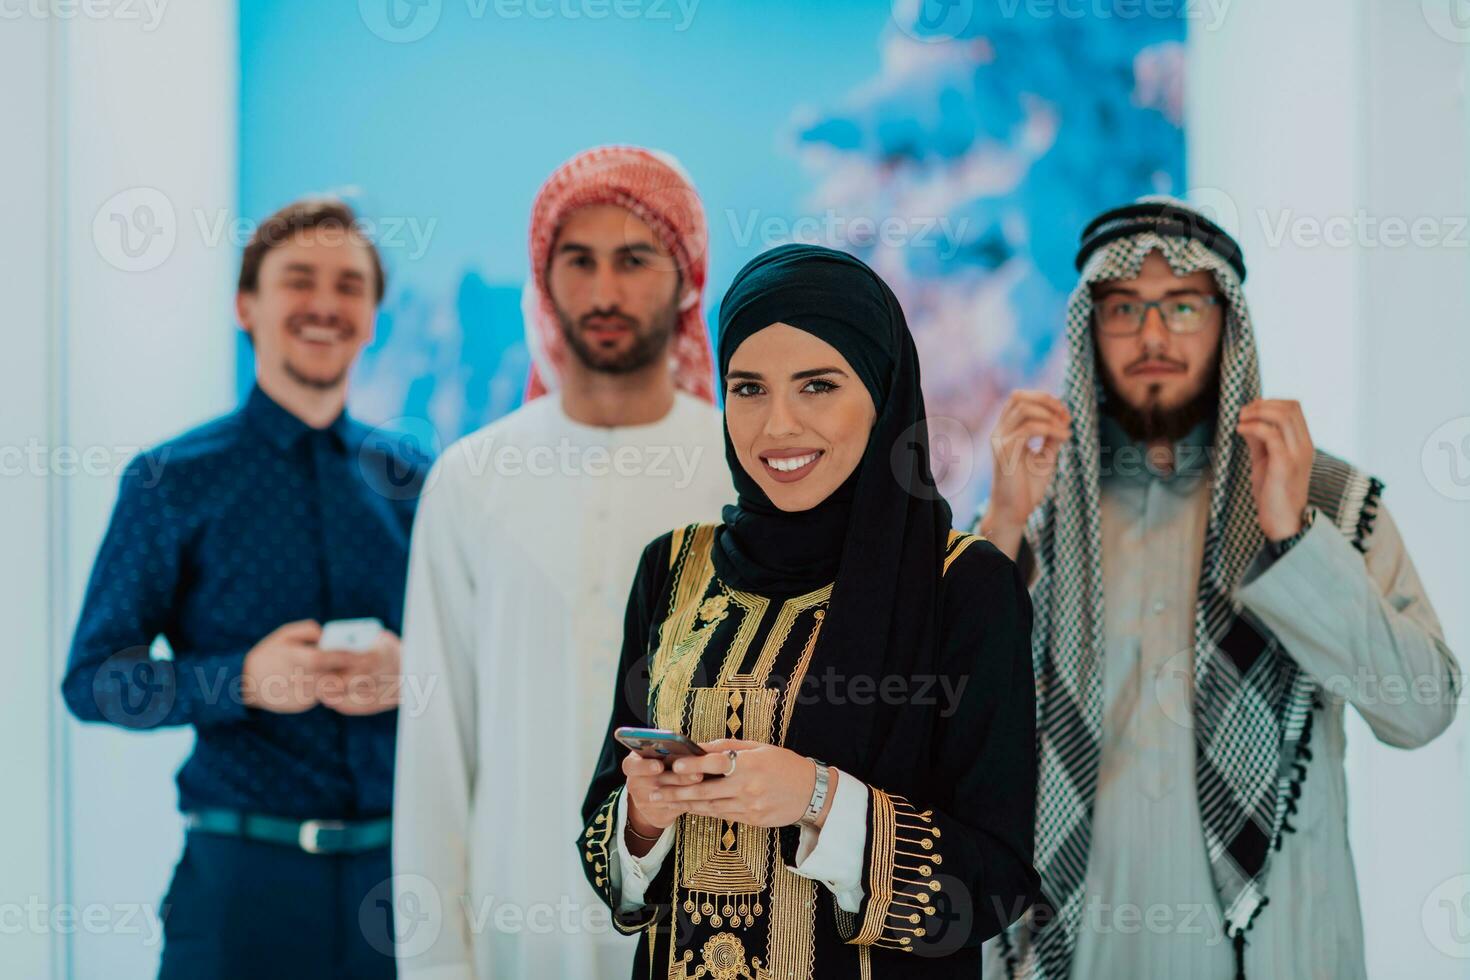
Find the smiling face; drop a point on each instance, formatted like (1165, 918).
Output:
(615, 289)
(797, 414)
(311, 309)
(1164, 379)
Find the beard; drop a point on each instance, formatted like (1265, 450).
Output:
(309, 381)
(1153, 422)
(650, 341)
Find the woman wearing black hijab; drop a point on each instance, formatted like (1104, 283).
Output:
(858, 673)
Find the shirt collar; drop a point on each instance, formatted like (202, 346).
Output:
(283, 430)
(1127, 459)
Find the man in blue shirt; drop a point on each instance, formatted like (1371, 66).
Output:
(236, 541)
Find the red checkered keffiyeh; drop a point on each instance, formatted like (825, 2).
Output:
(654, 188)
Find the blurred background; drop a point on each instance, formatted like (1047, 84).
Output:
(957, 146)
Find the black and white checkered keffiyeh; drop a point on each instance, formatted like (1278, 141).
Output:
(1252, 703)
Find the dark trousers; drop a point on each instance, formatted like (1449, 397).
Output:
(244, 909)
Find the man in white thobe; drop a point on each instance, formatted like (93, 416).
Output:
(523, 554)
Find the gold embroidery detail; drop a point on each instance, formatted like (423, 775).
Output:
(730, 673)
(715, 608)
(720, 860)
(722, 868)
(798, 675)
(900, 885)
(722, 958)
(958, 542)
(682, 643)
(791, 941)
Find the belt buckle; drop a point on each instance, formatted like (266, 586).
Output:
(309, 836)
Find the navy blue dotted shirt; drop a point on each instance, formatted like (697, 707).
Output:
(219, 537)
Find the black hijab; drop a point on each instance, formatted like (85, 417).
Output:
(880, 537)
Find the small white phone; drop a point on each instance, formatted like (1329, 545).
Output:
(352, 635)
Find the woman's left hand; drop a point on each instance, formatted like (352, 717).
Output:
(770, 787)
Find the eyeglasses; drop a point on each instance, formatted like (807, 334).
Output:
(1123, 316)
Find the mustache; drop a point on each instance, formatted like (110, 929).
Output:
(585, 321)
(1150, 360)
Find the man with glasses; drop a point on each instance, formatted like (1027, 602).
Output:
(1210, 590)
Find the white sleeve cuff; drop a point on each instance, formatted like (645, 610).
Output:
(834, 854)
(633, 874)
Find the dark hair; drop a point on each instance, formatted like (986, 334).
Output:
(306, 213)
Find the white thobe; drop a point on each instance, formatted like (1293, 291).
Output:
(524, 549)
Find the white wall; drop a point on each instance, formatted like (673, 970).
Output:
(1331, 115)
(27, 517)
(103, 353)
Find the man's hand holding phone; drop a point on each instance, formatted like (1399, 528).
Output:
(355, 671)
(282, 671)
(370, 680)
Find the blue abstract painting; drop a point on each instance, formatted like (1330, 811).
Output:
(956, 146)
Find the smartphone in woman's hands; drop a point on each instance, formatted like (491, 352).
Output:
(656, 743)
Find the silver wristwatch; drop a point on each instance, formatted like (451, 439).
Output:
(819, 795)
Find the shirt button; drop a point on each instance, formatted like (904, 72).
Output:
(1159, 606)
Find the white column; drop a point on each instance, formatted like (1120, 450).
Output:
(149, 136)
(1411, 811)
(30, 850)
(1317, 127)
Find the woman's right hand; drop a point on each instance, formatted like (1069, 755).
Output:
(645, 816)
